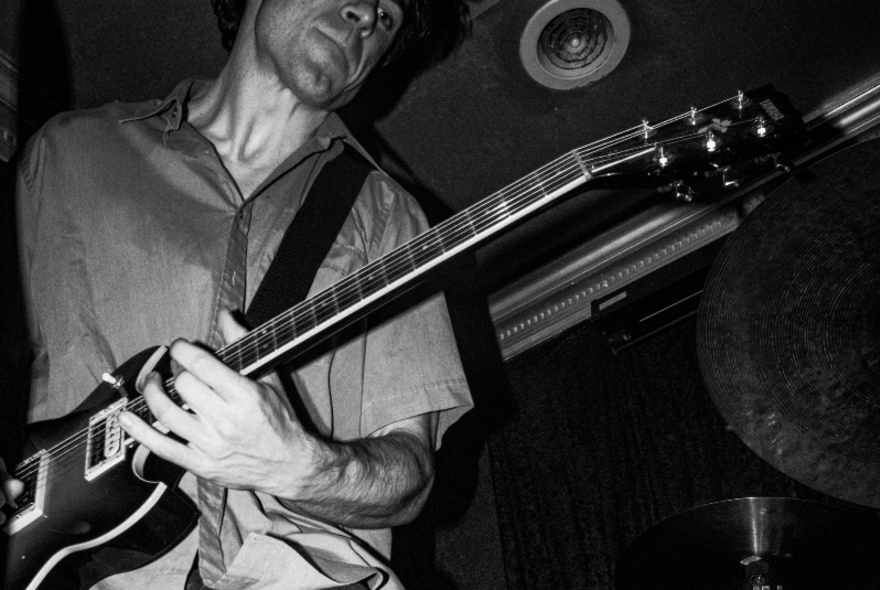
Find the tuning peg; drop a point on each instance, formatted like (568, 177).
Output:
(761, 127)
(661, 157)
(782, 164)
(683, 192)
(711, 142)
(731, 177)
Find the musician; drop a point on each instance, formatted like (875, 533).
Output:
(142, 223)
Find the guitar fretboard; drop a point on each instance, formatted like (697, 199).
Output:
(255, 353)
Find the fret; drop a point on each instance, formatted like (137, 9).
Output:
(468, 214)
(287, 330)
(373, 281)
(306, 321)
(264, 341)
(403, 264)
(325, 308)
(425, 248)
(348, 292)
(452, 236)
(232, 354)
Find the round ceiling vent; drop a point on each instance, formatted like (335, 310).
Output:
(570, 43)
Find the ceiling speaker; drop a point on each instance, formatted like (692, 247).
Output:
(567, 44)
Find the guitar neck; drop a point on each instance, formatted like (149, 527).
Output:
(697, 141)
(256, 353)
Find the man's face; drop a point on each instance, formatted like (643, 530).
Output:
(323, 50)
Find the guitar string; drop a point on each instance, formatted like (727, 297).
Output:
(267, 331)
(442, 238)
(139, 404)
(510, 205)
(56, 454)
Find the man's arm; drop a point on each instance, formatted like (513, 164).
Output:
(376, 482)
(244, 435)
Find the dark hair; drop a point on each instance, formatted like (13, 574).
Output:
(229, 13)
(435, 26)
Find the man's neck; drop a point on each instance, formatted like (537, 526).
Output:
(253, 122)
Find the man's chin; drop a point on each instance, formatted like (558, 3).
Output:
(322, 93)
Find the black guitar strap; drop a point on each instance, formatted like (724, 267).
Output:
(305, 245)
(309, 237)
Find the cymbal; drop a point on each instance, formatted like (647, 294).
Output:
(793, 544)
(788, 330)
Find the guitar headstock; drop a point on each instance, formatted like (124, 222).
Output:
(701, 144)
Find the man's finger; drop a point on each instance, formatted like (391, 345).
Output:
(226, 382)
(230, 329)
(163, 446)
(169, 414)
(12, 488)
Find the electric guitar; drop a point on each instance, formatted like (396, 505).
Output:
(87, 483)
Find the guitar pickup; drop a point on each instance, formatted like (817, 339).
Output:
(29, 505)
(105, 446)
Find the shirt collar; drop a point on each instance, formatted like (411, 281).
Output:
(170, 109)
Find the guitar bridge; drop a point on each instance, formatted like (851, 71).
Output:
(29, 504)
(106, 440)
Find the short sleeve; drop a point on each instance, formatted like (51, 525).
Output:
(394, 366)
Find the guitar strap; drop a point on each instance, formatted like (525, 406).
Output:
(304, 246)
(309, 237)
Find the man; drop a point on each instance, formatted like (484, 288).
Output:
(144, 222)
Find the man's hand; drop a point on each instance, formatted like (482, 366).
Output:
(9, 489)
(241, 433)
(244, 434)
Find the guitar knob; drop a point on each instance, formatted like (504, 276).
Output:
(114, 382)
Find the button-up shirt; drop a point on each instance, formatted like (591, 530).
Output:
(133, 233)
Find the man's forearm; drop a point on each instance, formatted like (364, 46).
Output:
(369, 483)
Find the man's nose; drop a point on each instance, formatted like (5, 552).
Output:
(361, 14)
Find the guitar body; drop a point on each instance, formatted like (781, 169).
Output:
(72, 524)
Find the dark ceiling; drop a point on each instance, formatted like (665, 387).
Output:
(476, 122)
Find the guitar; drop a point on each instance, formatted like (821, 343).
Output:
(87, 483)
